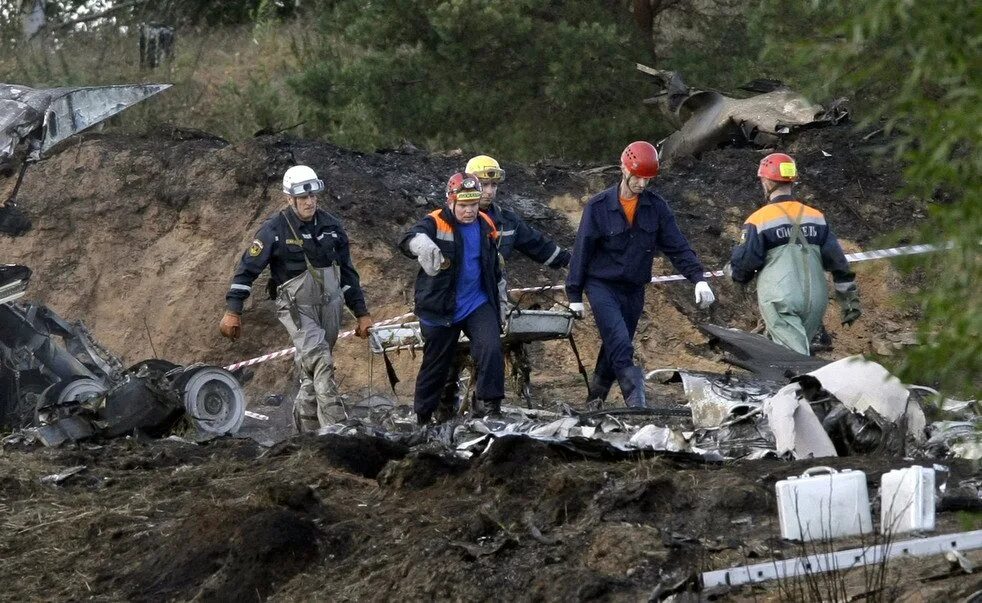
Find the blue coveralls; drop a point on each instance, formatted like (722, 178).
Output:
(462, 297)
(612, 264)
(514, 234)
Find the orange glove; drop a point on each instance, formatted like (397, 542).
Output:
(231, 325)
(364, 323)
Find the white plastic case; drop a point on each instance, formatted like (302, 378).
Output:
(823, 504)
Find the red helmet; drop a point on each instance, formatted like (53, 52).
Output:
(641, 159)
(778, 167)
(463, 187)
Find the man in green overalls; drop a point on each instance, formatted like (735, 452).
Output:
(788, 246)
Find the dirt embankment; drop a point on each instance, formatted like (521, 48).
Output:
(137, 235)
(139, 238)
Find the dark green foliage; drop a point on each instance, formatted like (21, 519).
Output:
(528, 79)
(916, 64)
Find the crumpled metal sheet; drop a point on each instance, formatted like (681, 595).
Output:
(59, 113)
(718, 399)
(707, 118)
(962, 439)
(796, 427)
(590, 435)
(862, 384)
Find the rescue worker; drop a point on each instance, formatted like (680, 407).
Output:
(311, 276)
(514, 234)
(457, 289)
(620, 232)
(788, 246)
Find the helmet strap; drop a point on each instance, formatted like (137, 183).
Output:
(625, 185)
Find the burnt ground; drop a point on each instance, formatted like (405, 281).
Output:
(139, 237)
(332, 519)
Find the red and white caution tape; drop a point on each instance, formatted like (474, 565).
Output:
(851, 257)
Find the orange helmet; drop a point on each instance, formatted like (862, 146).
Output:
(641, 159)
(463, 187)
(778, 167)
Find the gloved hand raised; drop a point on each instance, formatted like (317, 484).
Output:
(847, 295)
(704, 295)
(577, 309)
(427, 253)
(231, 325)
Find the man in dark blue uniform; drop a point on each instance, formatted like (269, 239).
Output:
(514, 232)
(620, 232)
(457, 289)
(311, 276)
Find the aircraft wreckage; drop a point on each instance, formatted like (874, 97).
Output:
(34, 122)
(788, 406)
(785, 405)
(707, 119)
(58, 384)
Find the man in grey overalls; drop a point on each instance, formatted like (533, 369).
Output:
(311, 276)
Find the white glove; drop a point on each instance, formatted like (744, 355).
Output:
(704, 295)
(427, 253)
(577, 309)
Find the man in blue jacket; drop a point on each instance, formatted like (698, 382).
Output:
(457, 289)
(620, 232)
(514, 235)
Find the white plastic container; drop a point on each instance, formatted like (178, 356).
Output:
(823, 504)
(907, 500)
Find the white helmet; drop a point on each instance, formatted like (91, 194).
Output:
(300, 181)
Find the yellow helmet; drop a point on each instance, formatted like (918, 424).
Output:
(485, 168)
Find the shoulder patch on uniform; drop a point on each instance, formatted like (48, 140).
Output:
(256, 248)
(743, 236)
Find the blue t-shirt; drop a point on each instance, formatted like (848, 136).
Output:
(470, 294)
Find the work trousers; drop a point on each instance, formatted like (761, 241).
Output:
(439, 352)
(309, 306)
(516, 355)
(616, 309)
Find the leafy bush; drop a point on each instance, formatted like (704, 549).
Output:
(527, 79)
(917, 66)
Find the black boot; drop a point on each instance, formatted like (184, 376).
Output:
(597, 392)
(486, 408)
(494, 408)
(423, 418)
(631, 381)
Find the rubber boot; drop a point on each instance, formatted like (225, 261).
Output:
(597, 392)
(423, 418)
(486, 408)
(631, 381)
(494, 408)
